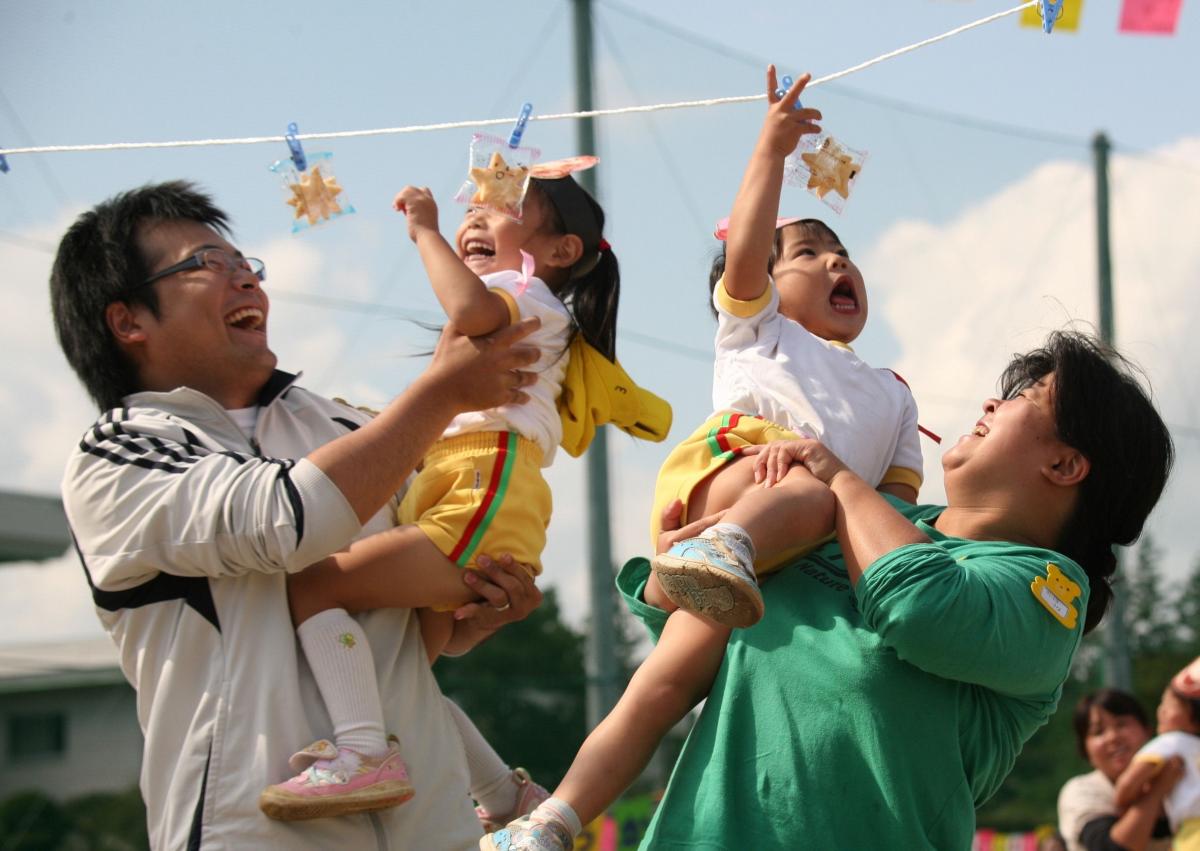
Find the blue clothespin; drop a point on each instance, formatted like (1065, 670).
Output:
(1050, 12)
(784, 85)
(3, 164)
(298, 158)
(518, 131)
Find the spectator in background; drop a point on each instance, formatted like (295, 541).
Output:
(1110, 727)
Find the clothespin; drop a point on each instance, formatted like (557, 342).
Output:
(3, 164)
(298, 158)
(784, 86)
(518, 131)
(1050, 12)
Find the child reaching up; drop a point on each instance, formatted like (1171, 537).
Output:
(479, 489)
(1178, 739)
(784, 369)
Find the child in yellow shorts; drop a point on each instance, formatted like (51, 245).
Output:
(478, 491)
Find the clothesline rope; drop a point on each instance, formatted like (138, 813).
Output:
(488, 122)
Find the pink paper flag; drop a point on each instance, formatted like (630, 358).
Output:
(1150, 16)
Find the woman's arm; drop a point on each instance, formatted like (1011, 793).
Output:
(868, 527)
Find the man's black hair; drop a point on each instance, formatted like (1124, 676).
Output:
(99, 262)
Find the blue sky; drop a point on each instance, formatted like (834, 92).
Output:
(972, 219)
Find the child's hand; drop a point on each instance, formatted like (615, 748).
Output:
(785, 124)
(419, 208)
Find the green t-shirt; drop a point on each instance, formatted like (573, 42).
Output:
(873, 717)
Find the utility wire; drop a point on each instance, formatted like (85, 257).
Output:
(986, 125)
(452, 125)
(909, 108)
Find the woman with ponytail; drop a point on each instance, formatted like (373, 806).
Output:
(897, 671)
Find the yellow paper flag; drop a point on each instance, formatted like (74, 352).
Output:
(1069, 22)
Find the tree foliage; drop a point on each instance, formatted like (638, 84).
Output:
(104, 821)
(525, 690)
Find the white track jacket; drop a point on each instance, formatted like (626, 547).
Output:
(186, 531)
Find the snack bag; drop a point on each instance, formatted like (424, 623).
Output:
(313, 194)
(497, 175)
(825, 167)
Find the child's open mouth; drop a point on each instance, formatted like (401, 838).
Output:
(477, 248)
(843, 298)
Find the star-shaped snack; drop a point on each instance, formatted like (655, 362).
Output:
(499, 185)
(315, 196)
(830, 169)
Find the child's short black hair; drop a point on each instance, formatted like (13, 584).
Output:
(812, 227)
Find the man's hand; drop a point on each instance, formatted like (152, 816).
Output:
(485, 372)
(419, 209)
(507, 591)
(507, 594)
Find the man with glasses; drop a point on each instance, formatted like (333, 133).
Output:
(210, 475)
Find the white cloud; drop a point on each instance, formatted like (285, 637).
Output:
(42, 405)
(46, 601)
(961, 298)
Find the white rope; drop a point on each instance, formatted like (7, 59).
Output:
(455, 125)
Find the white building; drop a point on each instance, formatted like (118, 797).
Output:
(68, 719)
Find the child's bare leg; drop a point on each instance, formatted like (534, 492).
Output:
(399, 568)
(715, 577)
(676, 675)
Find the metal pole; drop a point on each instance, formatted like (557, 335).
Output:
(602, 691)
(1117, 668)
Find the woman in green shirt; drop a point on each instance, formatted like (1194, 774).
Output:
(898, 671)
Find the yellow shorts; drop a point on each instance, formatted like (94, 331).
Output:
(482, 493)
(721, 439)
(1188, 837)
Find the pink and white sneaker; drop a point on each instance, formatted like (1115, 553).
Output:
(529, 795)
(336, 782)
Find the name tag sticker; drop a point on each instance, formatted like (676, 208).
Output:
(1056, 593)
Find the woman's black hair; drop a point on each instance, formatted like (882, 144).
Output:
(812, 227)
(592, 291)
(1111, 700)
(1102, 410)
(99, 262)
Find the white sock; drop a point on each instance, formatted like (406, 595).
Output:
(737, 539)
(340, 658)
(491, 782)
(558, 810)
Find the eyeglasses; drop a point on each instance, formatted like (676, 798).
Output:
(214, 260)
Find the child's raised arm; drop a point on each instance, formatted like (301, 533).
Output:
(470, 306)
(752, 220)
